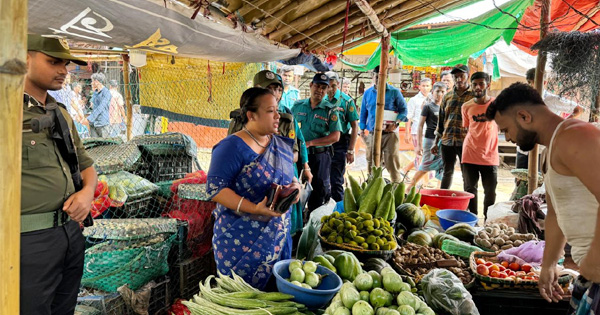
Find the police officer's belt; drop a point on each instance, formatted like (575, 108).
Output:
(317, 150)
(41, 221)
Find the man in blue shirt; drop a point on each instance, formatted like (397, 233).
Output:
(390, 140)
(99, 119)
(290, 93)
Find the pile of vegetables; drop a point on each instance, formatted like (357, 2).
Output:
(382, 293)
(409, 255)
(501, 237)
(304, 274)
(376, 197)
(445, 293)
(359, 230)
(235, 296)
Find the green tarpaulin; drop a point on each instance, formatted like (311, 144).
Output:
(454, 44)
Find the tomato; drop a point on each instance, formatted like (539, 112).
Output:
(526, 267)
(510, 273)
(511, 278)
(483, 270)
(494, 273)
(488, 263)
(502, 275)
(529, 278)
(520, 273)
(531, 273)
(480, 261)
(494, 267)
(504, 264)
(514, 266)
(501, 268)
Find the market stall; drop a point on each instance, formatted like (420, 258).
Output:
(391, 251)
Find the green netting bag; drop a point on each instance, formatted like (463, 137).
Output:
(107, 267)
(113, 158)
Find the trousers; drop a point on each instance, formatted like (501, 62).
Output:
(390, 151)
(449, 153)
(51, 270)
(320, 165)
(338, 167)
(489, 180)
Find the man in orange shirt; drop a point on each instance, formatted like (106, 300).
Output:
(480, 148)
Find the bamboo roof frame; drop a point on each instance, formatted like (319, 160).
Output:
(318, 26)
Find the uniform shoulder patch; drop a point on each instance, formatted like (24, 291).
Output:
(292, 134)
(334, 117)
(351, 108)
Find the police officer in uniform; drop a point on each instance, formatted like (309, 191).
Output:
(343, 150)
(52, 245)
(320, 125)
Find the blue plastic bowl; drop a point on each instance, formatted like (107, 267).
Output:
(450, 217)
(312, 298)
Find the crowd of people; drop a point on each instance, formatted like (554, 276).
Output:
(102, 115)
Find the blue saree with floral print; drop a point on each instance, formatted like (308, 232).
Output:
(246, 244)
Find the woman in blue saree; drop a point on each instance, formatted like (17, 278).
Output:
(249, 238)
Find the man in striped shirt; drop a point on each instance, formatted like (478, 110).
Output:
(450, 125)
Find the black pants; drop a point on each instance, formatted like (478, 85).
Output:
(338, 167)
(522, 160)
(51, 270)
(449, 154)
(320, 165)
(489, 179)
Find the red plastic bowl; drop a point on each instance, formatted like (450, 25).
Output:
(445, 198)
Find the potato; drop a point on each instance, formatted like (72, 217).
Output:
(485, 243)
(518, 243)
(506, 247)
(499, 241)
(495, 247)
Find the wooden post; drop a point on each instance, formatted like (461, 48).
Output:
(595, 109)
(532, 179)
(13, 47)
(127, 95)
(381, 82)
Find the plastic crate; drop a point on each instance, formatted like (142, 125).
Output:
(110, 304)
(164, 162)
(160, 296)
(139, 207)
(191, 272)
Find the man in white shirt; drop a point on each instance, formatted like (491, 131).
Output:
(415, 106)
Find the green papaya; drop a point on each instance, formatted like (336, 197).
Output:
(399, 194)
(373, 196)
(356, 189)
(349, 201)
(384, 206)
(411, 195)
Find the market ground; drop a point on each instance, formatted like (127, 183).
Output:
(359, 167)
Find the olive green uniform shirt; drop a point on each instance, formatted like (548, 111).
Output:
(45, 176)
(346, 109)
(318, 122)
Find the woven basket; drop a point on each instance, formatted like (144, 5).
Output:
(109, 269)
(113, 158)
(404, 271)
(358, 251)
(490, 283)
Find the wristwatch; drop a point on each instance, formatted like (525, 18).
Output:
(350, 152)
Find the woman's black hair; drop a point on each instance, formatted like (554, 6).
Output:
(248, 101)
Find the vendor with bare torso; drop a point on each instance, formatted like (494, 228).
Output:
(573, 192)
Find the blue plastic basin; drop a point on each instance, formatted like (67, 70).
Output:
(312, 298)
(449, 217)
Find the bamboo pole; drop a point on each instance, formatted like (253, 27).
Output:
(127, 89)
(246, 8)
(411, 18)
(305, 21)
(271, 22)
(539, 86)
(325, 24)
(269, 6)
(381, 82)
(366, 8)
(13, 47)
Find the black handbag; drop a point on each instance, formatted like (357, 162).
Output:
(280, 198)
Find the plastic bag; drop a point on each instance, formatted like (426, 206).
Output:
(530, 252)
(445, 293)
